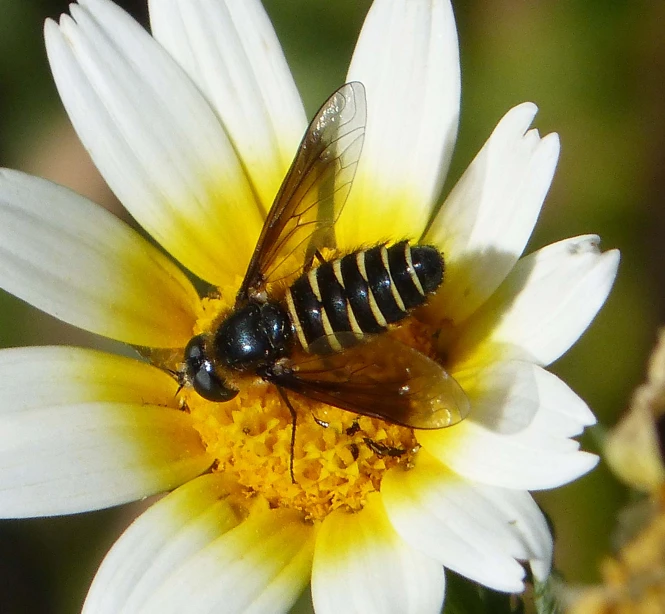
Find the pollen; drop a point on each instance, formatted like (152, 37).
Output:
(337, 461)
(338, 457)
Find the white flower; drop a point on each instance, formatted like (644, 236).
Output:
(194, 130)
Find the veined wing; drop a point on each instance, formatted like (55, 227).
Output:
(313, 194)
(381, 378)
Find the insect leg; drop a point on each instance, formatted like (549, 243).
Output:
(294, 417)
(353, 429)
(310, 262)
(381, 449)
(322, 423)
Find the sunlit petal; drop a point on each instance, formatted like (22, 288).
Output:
(362, 565)
(230, 50)
(175, 529)
(73, 259)
(262, 565)
(66, 459)
(71, 375)
(487, 219)
(407, 57)
(166, 157)
(481, 532)
(539, 456)
(504, 395)
(545, 304)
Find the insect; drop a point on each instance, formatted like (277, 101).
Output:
(322, 336)
(381, 449)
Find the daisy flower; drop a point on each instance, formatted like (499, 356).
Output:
(194, 129)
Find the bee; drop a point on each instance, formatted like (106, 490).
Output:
(322, 336)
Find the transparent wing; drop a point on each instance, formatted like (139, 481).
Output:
(382, 378)
(313, 194)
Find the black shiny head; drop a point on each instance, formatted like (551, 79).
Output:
(200, 373)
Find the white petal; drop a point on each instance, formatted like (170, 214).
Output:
(504, 396)
(176, 528)
(262, 565)
(487, 219)
(76, 458)
(155, 139)
(408, 59)
(231, 52)
(69, 375)
(564, 414)
(478, 531)
(537, 457)
(361, 565)
(73, 259)
(545, 304)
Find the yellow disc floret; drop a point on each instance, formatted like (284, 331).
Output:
(338, 457)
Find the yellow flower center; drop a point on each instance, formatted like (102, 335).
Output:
(338, 457)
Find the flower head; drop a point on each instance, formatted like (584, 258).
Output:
(194, 130)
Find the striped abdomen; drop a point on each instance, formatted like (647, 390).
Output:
(363, 292)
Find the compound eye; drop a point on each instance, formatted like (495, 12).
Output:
(210, 386)
(202, 375)
(195, 351)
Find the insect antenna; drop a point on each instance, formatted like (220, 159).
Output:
(180, 377)
(294, 417)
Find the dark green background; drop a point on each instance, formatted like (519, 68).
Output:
(595, 68)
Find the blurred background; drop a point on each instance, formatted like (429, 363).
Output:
(594, 67)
